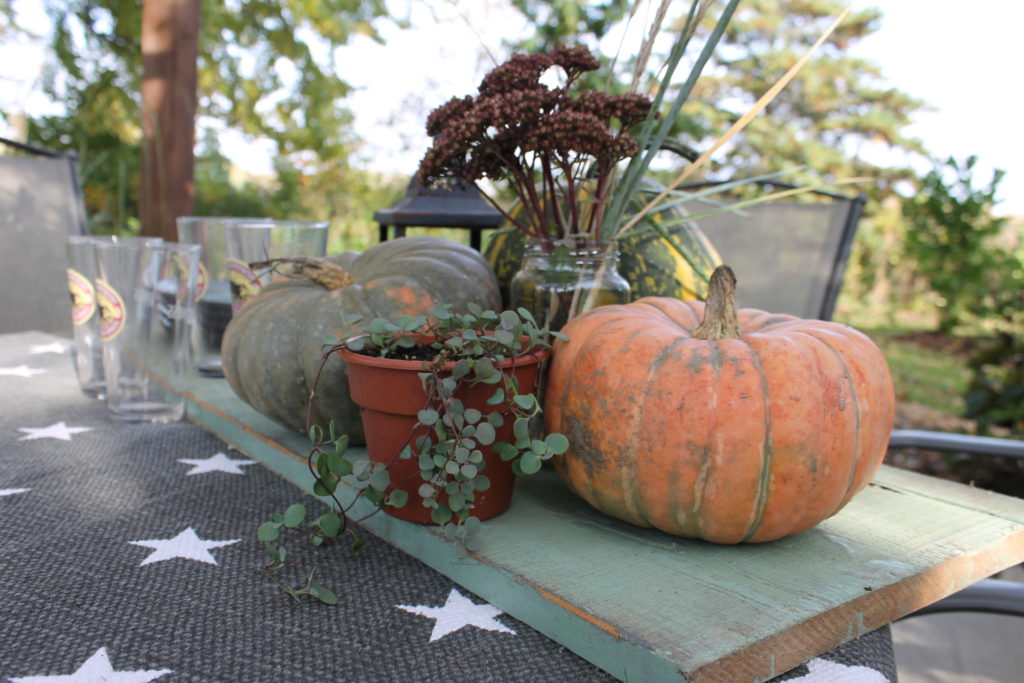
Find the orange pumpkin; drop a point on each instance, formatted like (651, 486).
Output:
(745, 427)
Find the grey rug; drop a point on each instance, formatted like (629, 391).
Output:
(129, 553)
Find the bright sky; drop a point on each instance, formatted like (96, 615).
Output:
(964, 59)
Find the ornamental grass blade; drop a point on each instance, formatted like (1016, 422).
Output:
(743, 203)
(706, 193)
(651, 135)
(761, 103)
(647, 44)
(618, 50)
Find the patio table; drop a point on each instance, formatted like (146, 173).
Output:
(132, 548)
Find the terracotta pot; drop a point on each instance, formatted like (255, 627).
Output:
(390, 394)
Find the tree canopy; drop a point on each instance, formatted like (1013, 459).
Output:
(836, 106)
(265, 68)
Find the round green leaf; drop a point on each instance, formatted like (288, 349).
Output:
(427, 417)
(294, 515)
(330, 524)
(460, 369)
(339, 466)
(380, 479)
(521, 429)
(485, 434)
(557, 443)
(509, 320)
(442, 514)
(472, 542)
(484, 368)
(398, 498)
(529, 463)
(472, 526)
(506, 450)
(525, 401)
(268, 532)
(505, 338)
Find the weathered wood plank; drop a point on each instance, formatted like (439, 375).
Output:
(647, 606)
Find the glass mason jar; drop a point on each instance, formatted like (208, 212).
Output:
(565, 278)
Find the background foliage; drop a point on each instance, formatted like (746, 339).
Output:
(265, 69)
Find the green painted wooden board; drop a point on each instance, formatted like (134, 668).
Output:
(646, 606)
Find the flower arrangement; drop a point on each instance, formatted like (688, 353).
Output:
(552, 144)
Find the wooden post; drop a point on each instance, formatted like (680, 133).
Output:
(170, 45)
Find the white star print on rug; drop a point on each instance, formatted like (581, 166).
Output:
(459, 611)
(95, 669)
(186, 545)
(11, 492)
(825, 671)
(218, 462)
(55, 347)
(21, 371)
(58, 430)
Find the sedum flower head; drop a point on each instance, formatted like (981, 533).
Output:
(521, 130)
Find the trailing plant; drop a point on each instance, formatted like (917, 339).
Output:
(464, 350)
(457, 350)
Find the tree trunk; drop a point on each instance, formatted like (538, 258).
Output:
(170, 43)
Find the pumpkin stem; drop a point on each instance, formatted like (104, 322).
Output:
(323, 272)
(720, 319)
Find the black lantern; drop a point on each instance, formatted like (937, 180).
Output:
(457, 204)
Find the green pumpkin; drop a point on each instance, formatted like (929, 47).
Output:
(646, 259)
(272, 347)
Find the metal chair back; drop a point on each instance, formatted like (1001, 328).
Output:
(789, 256)
(40, 205)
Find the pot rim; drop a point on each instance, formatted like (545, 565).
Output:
(534, 355)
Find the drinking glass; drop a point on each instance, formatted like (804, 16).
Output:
(86, 349)
(145, 296)
(265, 241)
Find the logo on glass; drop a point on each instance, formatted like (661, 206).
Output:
(83, 297)
(111, 308)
